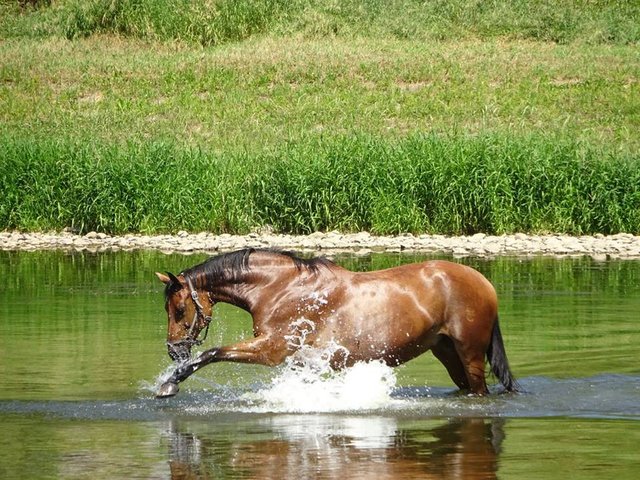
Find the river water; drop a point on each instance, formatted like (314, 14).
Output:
(82, 352)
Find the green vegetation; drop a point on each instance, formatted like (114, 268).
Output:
(221, 21)
(419, 184)
(449, 117)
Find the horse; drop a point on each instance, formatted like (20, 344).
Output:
(391, 315)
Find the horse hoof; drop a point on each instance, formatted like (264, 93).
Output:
(168, 390)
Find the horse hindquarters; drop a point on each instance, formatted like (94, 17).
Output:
(469, 334)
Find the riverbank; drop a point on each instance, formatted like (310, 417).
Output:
(138, 116)
(598, 246)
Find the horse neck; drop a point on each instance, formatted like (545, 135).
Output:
(255, 286)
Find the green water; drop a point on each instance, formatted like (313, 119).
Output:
(82, 348)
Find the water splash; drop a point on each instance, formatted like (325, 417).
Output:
(306, 383)
(152, 387)
(301, 329)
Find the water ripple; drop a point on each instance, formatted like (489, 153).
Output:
(602, 396)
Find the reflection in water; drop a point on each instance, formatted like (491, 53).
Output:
(355, 447)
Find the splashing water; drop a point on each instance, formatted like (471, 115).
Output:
(306, 383)
(153, 386)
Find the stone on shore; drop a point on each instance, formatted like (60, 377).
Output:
(622, 245)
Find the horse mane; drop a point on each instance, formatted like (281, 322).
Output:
(231, 267)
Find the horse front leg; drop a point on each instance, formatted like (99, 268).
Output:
(261, 350)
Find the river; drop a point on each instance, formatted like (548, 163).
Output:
(82, 353)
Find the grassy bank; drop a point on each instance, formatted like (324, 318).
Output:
(214, 23)
(265, 91)
(420, 184)
(448, 117)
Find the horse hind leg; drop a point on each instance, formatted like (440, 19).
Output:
(465, 364)
(472, 358)
(445, 351)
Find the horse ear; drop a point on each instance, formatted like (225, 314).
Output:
(169, 279)
(163, 278)
(173, 279)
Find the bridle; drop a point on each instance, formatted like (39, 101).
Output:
(192, 340)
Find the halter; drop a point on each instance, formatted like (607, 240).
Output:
(190, 340)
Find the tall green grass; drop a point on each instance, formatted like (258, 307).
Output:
(207, 23)
(222, 21)
(454, 185)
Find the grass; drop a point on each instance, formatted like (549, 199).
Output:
(263, 92)
(420, 184)
(217, 22)
(443, 117)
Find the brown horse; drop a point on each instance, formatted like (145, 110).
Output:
(391, 315)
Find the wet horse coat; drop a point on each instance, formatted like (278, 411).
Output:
(391, 315)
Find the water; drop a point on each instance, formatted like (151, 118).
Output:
(82, 352)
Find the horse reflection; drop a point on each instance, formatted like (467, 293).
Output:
(349, 448)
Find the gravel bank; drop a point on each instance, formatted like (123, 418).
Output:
(599, 246)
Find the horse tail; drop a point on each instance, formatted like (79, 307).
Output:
(498, 360)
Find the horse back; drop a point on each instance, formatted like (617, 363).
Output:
(401, 311)
(435, 280)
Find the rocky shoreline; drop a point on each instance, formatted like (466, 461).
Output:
(601, 247)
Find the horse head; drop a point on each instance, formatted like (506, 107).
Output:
(188, 311)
